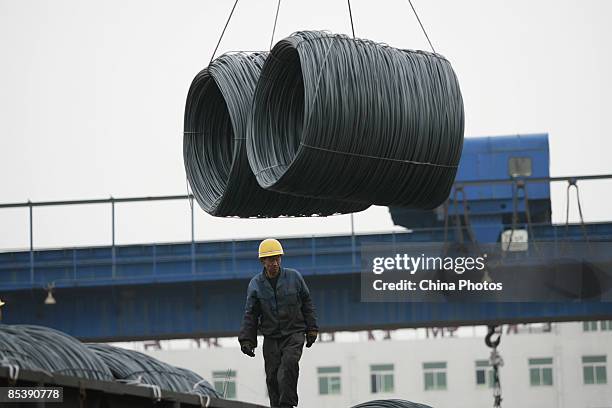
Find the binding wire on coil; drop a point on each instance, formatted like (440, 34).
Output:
(214, 148)
(349, 119)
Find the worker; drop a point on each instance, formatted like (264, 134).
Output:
(1, 304)
(279, 305)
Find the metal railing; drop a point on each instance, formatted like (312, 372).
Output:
(518, 181)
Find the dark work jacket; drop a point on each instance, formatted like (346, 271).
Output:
(277, 313)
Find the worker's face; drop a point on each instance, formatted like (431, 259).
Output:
(272, 265)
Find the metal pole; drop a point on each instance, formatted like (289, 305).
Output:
(113, 221)
(113, 236)
(353, 250)
(313, 248)
(193, 264)
(192, 221)
(74, 264)
(154, 259)
(234, 272)
(31, 244)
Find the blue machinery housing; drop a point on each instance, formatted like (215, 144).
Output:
(197, 289)
(491, 205)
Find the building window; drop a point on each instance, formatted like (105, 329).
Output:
(381, 378)
(484, 373)
(434, 375)
(594, 370)
(540, 371)
(606, 325)
(329, 380)
(519, 166)
(225, 383)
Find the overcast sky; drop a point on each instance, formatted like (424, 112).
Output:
(92, 96)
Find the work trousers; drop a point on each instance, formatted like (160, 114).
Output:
(282, 357)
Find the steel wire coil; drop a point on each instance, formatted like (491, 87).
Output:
(341, 118)
(52, 351)
(390, 403)
(130, 365)
(214, 148)
(45, 349)
(15, 351)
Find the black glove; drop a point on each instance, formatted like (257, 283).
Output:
(247, 348)
(311, 336)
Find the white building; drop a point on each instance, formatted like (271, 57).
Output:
(559, 365)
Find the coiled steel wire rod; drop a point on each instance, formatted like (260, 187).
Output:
(43, 348)
(216, 112)
(15, 351)
(390, 403)
(130, 365)
(341, 118)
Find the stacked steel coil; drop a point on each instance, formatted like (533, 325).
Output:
(214, 148)
(341, 118)
(129, 365)
(390, 403)
(15, 351)
(42, 348)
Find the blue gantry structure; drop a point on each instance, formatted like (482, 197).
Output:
(491, 206)
(197, 289)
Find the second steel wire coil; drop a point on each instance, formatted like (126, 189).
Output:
(339, 118)
(216, 112)
(135, 366)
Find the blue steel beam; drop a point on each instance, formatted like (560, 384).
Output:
(220, 260)
(212, 309)
(155, 295)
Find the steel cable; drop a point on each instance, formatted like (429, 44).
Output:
(390, 403)
(350, 119)
(216, 112)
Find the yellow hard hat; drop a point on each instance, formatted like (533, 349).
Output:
(270, 247)
(2, 303)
